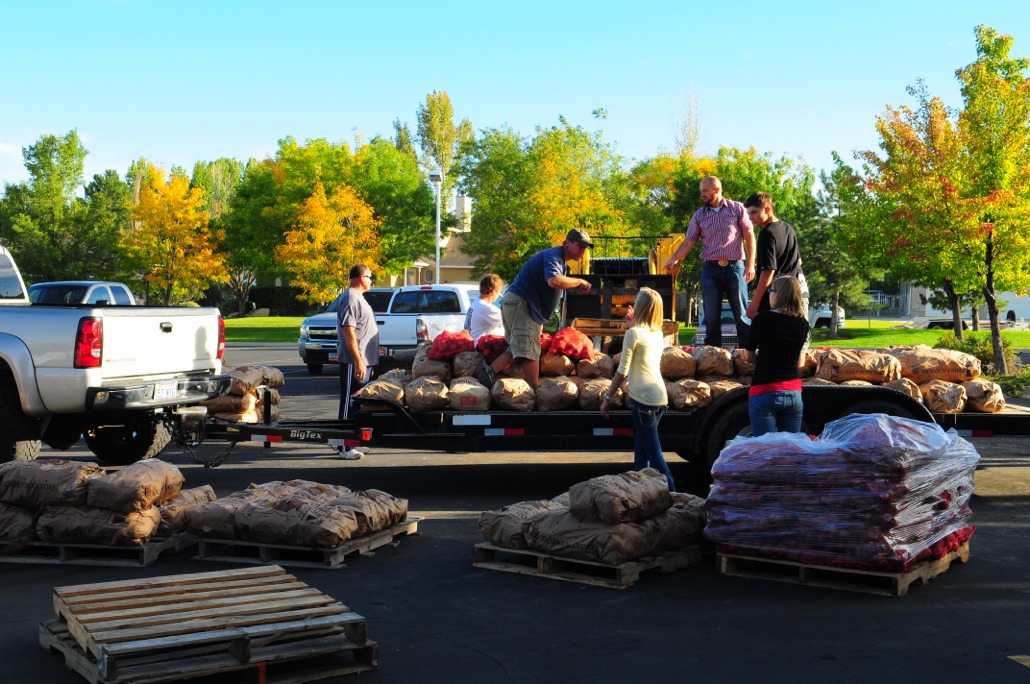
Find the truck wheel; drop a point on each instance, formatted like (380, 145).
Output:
(822, 323)
(734, 422)
(878, 406)
(15, 429)
(314, 369)
(128, 443)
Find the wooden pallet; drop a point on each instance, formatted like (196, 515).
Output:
(238, 551)
(177, 627)
(848, 579)
(94, 554)
(526, 562)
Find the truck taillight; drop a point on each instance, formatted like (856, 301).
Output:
(421, 331)
(221, 339)
(89, 343)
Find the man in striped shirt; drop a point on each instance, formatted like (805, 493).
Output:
(728, 252)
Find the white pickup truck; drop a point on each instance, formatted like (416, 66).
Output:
(414, 314)
(122, 377)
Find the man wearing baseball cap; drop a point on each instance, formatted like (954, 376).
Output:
(529, 302)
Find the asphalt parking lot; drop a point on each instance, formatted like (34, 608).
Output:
(438, 619)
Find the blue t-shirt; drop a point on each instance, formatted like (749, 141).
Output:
(531, 283)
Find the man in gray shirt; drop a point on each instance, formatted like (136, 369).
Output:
(357, 337)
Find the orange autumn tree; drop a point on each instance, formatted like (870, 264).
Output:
(330, 235)
(172, 245)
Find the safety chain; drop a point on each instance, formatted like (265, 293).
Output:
(187, 440)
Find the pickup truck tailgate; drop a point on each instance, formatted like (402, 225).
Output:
(147, 341)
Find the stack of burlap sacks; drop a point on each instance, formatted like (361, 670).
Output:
(608, 519)
(297, 513)
(63, 502)
(945, 380)
(245, 401)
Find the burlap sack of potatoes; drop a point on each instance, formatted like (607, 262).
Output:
(712, 361)
(556, 394)
(838, 365)
(688, 394)
(254, 415)
(425, 367)
(17, 524)
(741, 366)
(984, 396)
(466, 363)
(513, 394)
(87, 525)
(719, 387)
(811, 363)
(507, 526)
(466, 394)
(398, 376)
(232, 403)
(382, 390)
(621, 497)
(560, 534)
(816, 381)
(857, 383)
(676, 364)
(921, 364)
(597, 366)
(943, 397)
(173, 512)
(905, 386)
(46, 482)
(554, 365)
(426, 393)
(135, 487)
(591, 392)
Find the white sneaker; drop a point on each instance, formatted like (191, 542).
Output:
(361, 449)
(351, 455)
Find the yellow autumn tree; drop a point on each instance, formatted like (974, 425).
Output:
(172, 244)
(331, 234)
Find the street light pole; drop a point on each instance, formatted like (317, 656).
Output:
(436, 177)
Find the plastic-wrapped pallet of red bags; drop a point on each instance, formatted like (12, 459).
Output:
(874, 491)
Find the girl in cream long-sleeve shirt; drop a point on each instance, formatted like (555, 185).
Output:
(641, 365)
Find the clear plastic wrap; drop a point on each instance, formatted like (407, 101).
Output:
(873, 491)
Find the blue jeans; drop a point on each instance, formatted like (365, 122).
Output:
(775, 412)
(647, 447)
(718, 283)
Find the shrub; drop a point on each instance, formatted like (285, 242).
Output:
(978, 345)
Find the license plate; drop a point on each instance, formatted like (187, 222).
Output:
(166, 390)
(333, 356)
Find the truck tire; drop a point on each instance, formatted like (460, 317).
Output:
(879, 406)
(16, 432)
(822, 323)
(314, 369)
(128, 443)
(735, 421)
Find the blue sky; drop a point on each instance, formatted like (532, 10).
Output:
(177, 82)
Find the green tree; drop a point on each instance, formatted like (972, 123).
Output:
(440, 137)
(528, 193)
(390, 182)
(946, 202)
(56, 233)
(173, 245)
(331, 234)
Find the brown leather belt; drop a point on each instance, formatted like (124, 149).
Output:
(722, 262)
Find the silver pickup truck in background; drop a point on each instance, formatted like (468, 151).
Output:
(412, 315)
(122, 377)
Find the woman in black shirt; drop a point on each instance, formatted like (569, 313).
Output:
(779, 336)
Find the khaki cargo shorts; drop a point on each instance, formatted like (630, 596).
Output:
(520, 330)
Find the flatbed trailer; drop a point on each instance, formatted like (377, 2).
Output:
(696, 436)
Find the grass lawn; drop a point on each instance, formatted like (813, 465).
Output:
(858, 333)
(263, 329)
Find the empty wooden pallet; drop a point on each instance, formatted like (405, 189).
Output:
(179, 627)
